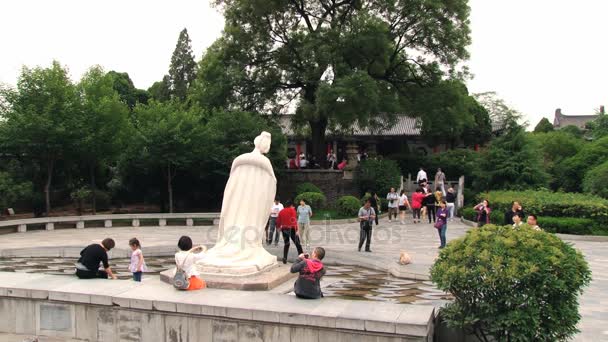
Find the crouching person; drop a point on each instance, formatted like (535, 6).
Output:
(308, 285)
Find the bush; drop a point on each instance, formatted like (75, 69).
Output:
(496, 217)
(307, 187)
(570, 171)
(468, 213)
(313, 199)
(596, 180)
(512, 285)
(378, 175)
(14, 192)
(567, 225)
(348, 206)
(547, 203)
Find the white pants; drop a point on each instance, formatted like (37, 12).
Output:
(450, 207)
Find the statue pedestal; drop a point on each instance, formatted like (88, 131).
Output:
(262, 281)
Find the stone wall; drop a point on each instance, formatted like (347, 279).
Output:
(333, 183)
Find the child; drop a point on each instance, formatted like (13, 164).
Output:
(311, 270)
(137, 265)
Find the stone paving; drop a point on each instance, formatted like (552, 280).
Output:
(340, 241)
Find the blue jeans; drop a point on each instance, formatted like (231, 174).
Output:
(442, 234)
(137, 276)
(271, 231)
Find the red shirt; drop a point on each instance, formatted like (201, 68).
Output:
(287, 219)
(417, 198)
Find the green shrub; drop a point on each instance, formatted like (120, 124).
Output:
(313, 199)
(596, 180)
(496, 217)
(378, 175)
(512, 285)
(307, 187)
(13, 192)
(468, 213)
(547, 203)
(102, 200)
(570, 171)
(368, 196)
(567, 225)
(348, 206)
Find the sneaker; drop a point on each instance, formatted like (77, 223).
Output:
(389, 220)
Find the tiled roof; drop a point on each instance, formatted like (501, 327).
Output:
(580, 121)
(405, 126)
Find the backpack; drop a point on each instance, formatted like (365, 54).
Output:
(181, 280)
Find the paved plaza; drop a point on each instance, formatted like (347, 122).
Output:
(340, 240)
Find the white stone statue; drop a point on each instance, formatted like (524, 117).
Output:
(249, 192)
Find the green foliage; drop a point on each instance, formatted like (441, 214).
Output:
(599, 127)
(468, 213)
(543, 126)
(547, 203)
(567, 225)
(572, 130)
(123, 85)
(511, 162)
(307, 187)
(348, 206)
(378, 175)
(555, 147)
(596, 180)
(313, 199)
(512, 285)
(503, 117)
(13, 191)
(570, 171)
(455, 163)
(344, 65)
(161, 90)
(182, 71)
(496, 217)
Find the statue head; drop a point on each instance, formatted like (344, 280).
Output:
(262, 142)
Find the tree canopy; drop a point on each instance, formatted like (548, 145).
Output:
(543, 126)
(339, 63)
(182, 70)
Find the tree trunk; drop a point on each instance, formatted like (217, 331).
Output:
(47, 186)
(317, 129)
(170, 187)
(93, 189)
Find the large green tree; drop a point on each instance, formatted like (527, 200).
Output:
(42, 120)
(543, 126)
(105, 123)
(122, 83)
(342, 63)
(182, 70)
(501, 115)
(168, 138)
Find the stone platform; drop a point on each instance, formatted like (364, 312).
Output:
(259, 282)
(122, 310)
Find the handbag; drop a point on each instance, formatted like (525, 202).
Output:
(438, 224)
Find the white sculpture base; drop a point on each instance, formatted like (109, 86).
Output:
(217, 263)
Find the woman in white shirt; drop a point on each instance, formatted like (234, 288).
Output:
(403, 204)
(186, 259)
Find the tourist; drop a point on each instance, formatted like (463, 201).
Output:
(516, 220)
(430, 205)
(393, 204)
(292, 164)
(186, 259)
(137, 265)
(532, 221)
(450, 199)
(417, 200)
(331, 160)
(440, 181)
(287, 222)
(91, 256)
(308, 284)
(515, 209)
(403, 205)
(272, 231)
(303, 162)
(367, 214)
(421, 177)
(304, 215)
(483, 213)
(342, 165)
(442, 222)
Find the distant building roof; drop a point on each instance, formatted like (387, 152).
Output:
(561, 120)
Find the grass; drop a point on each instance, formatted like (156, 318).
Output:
(330, 214)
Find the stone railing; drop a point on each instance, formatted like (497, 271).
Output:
(79, 221)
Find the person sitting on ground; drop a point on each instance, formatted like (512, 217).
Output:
(515, 209)
(186, 259)
(308, 284)
(533, 222)
(87, 266)
(516, 220)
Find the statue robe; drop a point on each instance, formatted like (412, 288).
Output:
(248, 195)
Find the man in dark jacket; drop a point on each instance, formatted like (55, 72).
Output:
(308, 285)
(515, 209)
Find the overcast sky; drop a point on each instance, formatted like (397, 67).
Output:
(536, 54)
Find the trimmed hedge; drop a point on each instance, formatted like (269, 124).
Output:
(567, 225)
(348, 206)
(307, 187)
(313, 199)
(547, 203)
